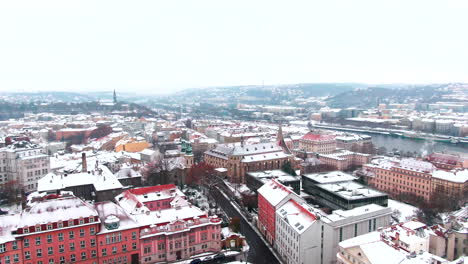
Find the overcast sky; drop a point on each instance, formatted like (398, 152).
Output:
(161, 46)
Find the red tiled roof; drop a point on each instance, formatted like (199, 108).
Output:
(317, 137)
(158, 188)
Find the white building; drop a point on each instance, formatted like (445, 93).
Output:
(24, 163)
(347, 224)
(297, 229)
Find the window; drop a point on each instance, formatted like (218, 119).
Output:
(38, 228)
(70, 222)
(7, 259)
(91, 219)
(51, 261)
(61, 248)
(134, 245)
(92, 231)
(133, 235)
(93, 253)
(82, 233)
(114, 250)
(71, 234)
(93, 242)
(26, 242)
(38, 241)
(60, 224)
(62, 260)
(72, 246)
(82, 244)
(50, 251)
(104, 252)
(83, 255)
(341, 234)
(38, 253)
(49, 238)
(60, 236)
(14, 245)
(124, 248)
(147, 250)
(72, 258)
(49, 227)
(355, 230)
(27, 255)
(81, 221)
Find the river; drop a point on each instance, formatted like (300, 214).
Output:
(420, 146)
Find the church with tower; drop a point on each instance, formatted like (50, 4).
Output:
(239, 159)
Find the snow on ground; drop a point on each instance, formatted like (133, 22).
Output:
(406, 211)
(12, 208)
(197, 197)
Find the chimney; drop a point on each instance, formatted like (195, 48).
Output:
(84, 166)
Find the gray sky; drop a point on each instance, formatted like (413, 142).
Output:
(161, 46)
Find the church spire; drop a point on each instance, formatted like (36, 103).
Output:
(115, 97)
(280, 140)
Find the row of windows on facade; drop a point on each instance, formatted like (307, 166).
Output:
(61, 249)
(36, 172)
(178, 244)
(72, 259)
(38, 228)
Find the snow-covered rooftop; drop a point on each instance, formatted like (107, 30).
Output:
(102, 179)
(350, 190)
(274, 192)
(299, 216)
(329, 177)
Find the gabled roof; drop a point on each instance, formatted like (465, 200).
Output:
(274, 192)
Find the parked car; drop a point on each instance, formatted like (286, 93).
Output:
(219, 256)
(196, 261)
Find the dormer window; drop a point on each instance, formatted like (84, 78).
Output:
(26, 230)
(60, 224)
(112, 222)
(38, 228)
(91, 219)
(81, 221)
(49, 227)
(70, 222)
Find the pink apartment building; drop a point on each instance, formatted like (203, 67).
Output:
(171, 228)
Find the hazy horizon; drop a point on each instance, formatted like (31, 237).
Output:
(167, 46)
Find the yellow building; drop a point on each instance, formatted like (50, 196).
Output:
(131, 145)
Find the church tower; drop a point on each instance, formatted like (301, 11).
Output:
(280, 140)
(115, 97)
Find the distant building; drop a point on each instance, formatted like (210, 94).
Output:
(411, 179)
(318, 143)
(23, 163)
(240, 159)
(353, 142)
(344, 159)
